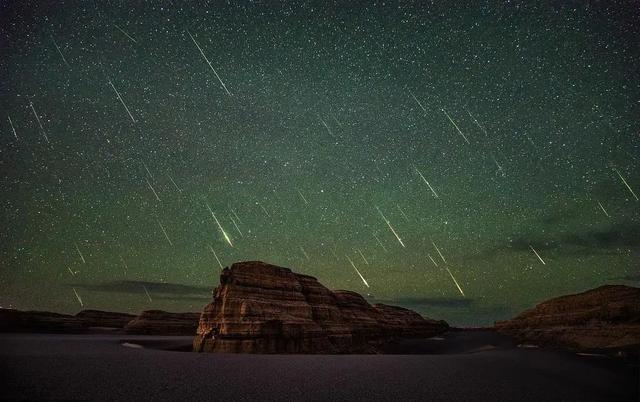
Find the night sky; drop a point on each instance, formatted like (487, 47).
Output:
(502, 138)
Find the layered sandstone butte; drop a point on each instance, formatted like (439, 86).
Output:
(39, 321)
(107, 319)
(263, 308)
(157, 322)
(607, 317)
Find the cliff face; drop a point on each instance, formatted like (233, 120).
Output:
(263, 308)
(157, 322)
(607, 317)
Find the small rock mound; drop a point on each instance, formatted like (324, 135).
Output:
(108, 319)
(157, 322)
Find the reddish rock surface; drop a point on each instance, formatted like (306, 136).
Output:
(39, 321)
(157, 322)
(263, 308)
(607, 317)
(108, 319)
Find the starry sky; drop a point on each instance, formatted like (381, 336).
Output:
(466, 160)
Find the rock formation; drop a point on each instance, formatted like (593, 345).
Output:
(156, 322)
(107, 319)
(607, 317)
(39, 321)
(263, 308)
(152, 322)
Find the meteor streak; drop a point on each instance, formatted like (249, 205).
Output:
(236, 215)
(456, 126)
(174, 183)
(236, 226)
(402, 213)
(438, 250)
(39, 123)
(264, 210)
(12, 128)
(626, 184)
(362, 255)
(390, 227)
(499, 167)
(336, 120)
(147, 169)
(209, 63)
(359, 274)
(125, 34)
(152, 189)
(425, 180)
(432, 260)
(147, 292)
(327, 127)
(455, 281)
(165, 233)
(476, 121)
(305, 253)
(59, 52)
(603, 210)
(226, 236)
(302, 196)
(78, 297)
(537, 255)
(418, 102)
(216, 255)
(81, 256)
(334, 253)
(380, 243)
(122, 101)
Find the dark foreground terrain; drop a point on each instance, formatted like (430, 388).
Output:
(458, 366)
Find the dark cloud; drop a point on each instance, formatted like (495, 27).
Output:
(159, 289)
(620, 236)
(426, 301)
(633, 277)
(523, 243)
(595, 242)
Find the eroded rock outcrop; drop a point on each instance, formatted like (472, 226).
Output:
(107, 319)
(263, 308)
(39, 321)
(157, 322)
(607, 317)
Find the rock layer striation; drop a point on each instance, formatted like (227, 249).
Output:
(607, 317)
(263, 308)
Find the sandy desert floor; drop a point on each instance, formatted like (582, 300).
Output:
(458, 366)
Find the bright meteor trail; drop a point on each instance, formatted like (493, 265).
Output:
(226, 236)
(455, 281)
(537, 255)
(390, 227)
(359, 274)
(209, 63)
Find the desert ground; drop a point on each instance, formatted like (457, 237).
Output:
(460, 365)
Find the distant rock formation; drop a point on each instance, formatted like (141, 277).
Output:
(156, 322)
(39, 321)
(263, 308)
(107, 319)
(152, 322)
(607, 317)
